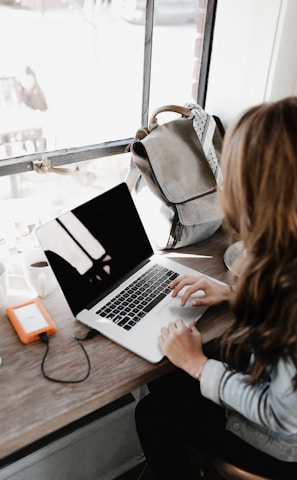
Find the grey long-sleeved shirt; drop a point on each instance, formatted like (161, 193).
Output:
(263, 415)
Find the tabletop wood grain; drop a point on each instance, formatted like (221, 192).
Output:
(33, 407)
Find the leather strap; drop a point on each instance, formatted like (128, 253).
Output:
(186, 112)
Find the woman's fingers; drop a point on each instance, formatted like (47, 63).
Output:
(200, 290)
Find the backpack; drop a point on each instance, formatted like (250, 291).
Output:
(173, 176)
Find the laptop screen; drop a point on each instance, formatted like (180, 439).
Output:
(93, 247)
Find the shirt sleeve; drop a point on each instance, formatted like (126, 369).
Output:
(270, 404)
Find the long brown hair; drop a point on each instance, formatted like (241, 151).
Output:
(259, 200)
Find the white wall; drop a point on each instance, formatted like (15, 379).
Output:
(254, 55)
(283, 72)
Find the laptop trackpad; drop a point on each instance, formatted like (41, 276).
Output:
(187, 313)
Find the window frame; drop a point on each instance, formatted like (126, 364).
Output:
(57, 158)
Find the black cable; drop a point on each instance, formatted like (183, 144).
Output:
(45, 339)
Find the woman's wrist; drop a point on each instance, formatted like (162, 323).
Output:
(227, 293)
(199, 371)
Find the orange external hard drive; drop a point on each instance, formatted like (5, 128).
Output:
(30, 319)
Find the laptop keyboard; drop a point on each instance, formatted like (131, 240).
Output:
(135, 301)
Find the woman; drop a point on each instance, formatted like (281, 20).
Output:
(241, 411)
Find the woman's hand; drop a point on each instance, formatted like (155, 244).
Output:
(182, 345)
(210, 291)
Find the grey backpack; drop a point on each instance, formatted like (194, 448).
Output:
(173, 177)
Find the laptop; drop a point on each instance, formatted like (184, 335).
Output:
(99, 252)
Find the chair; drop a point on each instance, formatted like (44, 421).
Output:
(221, 470)
(206, 467)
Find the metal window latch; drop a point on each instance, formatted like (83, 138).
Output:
(45, 166)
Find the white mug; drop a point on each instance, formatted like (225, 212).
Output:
(3, 286)
(37, 272)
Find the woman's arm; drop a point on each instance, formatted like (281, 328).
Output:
(271, 404)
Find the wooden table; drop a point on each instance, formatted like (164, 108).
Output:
(33, 407)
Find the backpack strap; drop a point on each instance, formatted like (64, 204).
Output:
(205, 126)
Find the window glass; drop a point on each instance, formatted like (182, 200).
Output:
(71, 71)
(70, 74)
(174, 54)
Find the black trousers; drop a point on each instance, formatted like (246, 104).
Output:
(175, 416)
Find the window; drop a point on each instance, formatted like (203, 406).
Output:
(77, 79)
